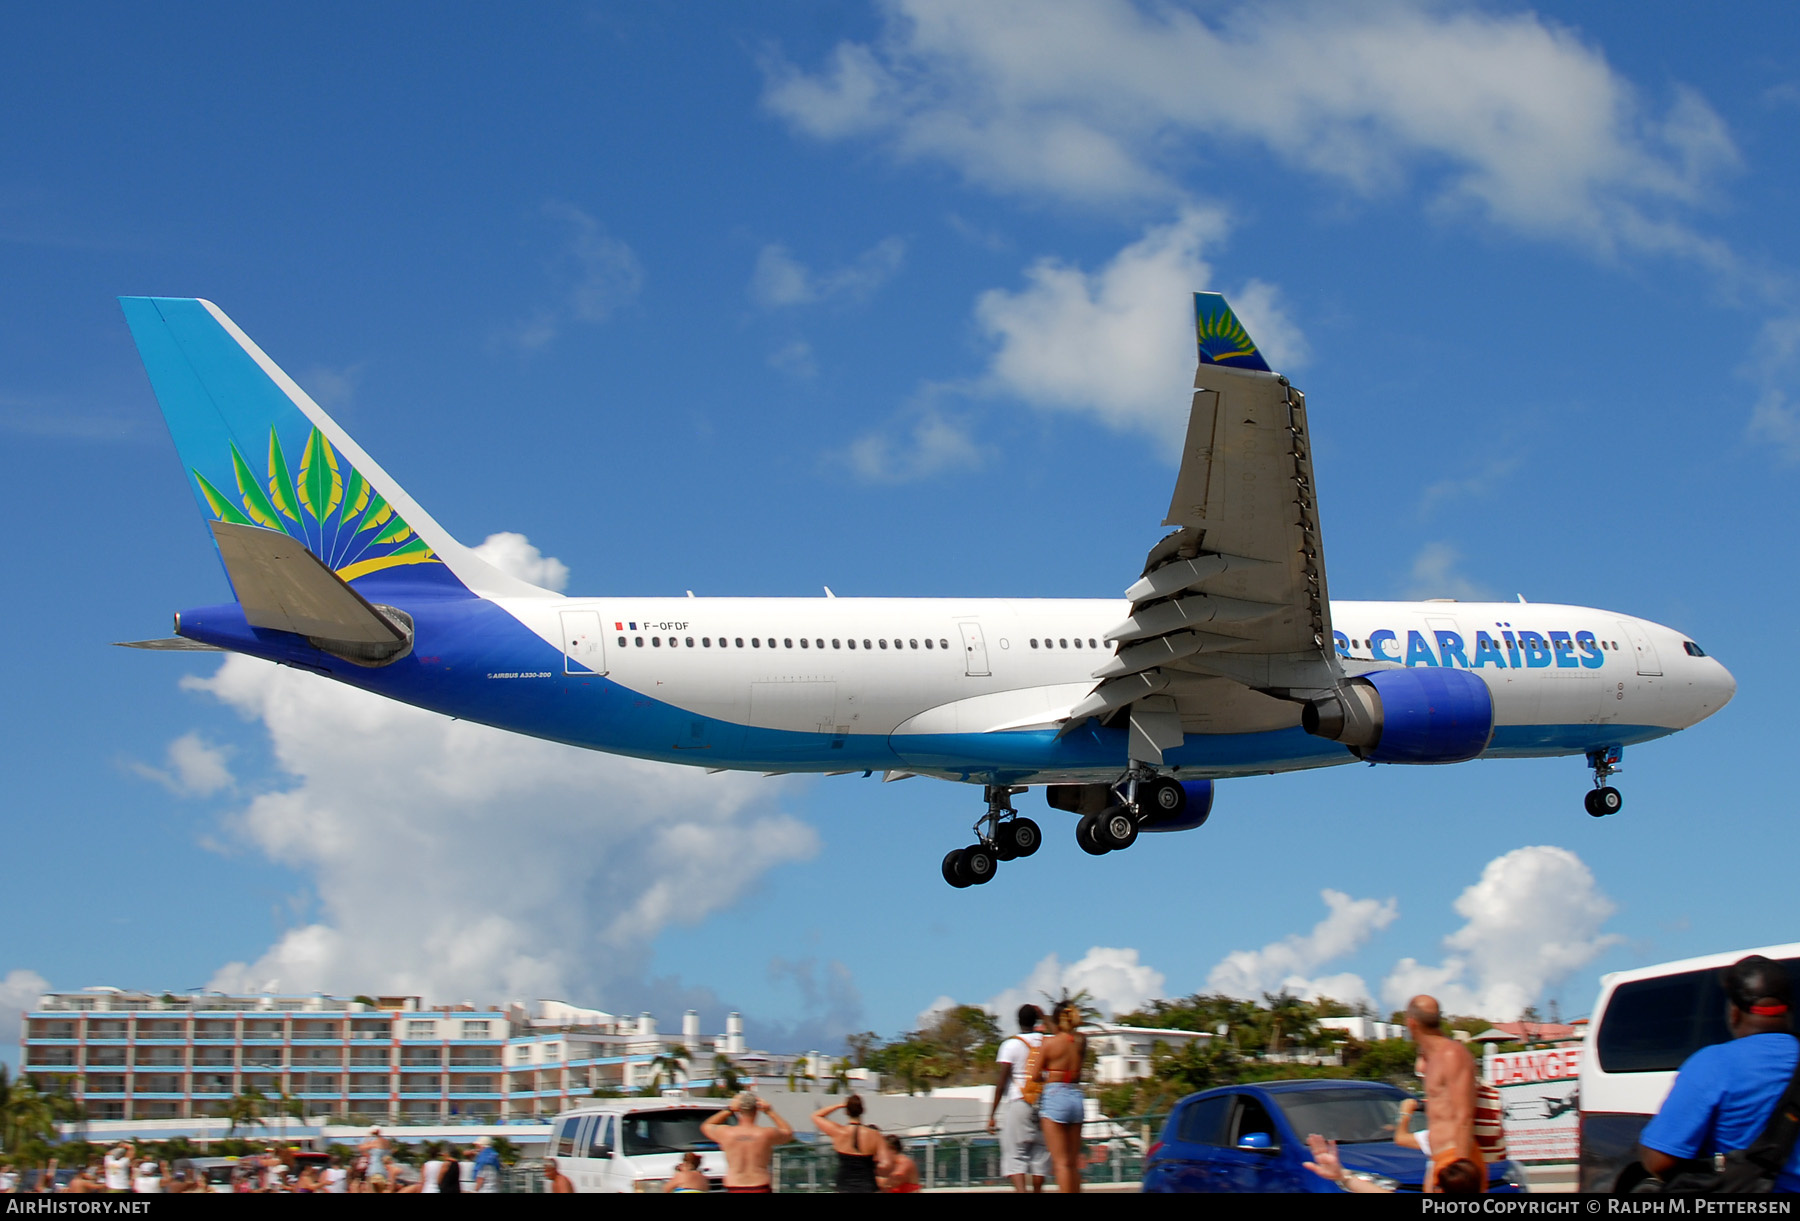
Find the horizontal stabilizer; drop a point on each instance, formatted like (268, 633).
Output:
(170, 644)
(286, 588)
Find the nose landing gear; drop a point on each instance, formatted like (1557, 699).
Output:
(1000, 835)
(1604, 799)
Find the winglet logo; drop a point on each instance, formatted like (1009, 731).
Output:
(1222, 338)
(340, 517)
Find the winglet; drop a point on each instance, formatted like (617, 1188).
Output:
(1222, 338)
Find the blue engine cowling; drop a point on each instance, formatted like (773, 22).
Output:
(1407, 716)
(1431, 716)
(1194, 814)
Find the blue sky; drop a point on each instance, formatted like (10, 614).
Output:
(890, 298)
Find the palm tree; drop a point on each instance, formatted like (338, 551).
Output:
(1289, 1013)
(796, 1069)
(673, 1062)
(1083, 1002)
(26, 1114)
(289, 1107)
(725, 1078)
(840, 1077)
(245, 1110)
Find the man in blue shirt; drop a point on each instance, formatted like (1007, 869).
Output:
(1725, 1094)
(487, 1166)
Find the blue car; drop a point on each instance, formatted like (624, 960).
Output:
(1253, 1138)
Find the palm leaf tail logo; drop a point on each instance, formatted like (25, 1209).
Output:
(281, 485)
(255, 503)
(219, 503)
(321, 487)
(356, 498)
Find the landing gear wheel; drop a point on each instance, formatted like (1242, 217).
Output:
(953, 869)
(1604, 801)
(1086, 835)
(1020, 837)
(978, 864)
(1164, 799)
(1117, 828)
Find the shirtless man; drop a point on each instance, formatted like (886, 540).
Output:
(747, 1144)
(1449, 1091)
(559, 1182)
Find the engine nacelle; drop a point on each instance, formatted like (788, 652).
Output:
(1194, 814)
(1425, 715)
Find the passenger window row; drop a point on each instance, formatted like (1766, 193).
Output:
(1063, 642)
(785, 642)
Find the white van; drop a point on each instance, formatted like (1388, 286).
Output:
(1646, 1023)
(633, 1144)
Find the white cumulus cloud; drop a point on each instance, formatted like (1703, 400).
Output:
(455, 860)
(594, 275)
(1290, 965)
(1532, 920)
(514, 555)
(920, 441)
(1508, 116)
(19, 991)
(1435, 574)
(1118, 343)
(196, 768)
(1113, 977)
(781, 279)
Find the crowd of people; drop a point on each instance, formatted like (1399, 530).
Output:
(1733, 1115)
(278, 1169)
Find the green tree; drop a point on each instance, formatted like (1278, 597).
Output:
(670, 1066)
(27, 1115)
(1390, 1060)
(246, 1110)
(1289, 1018)
(862, 1045)
(725, 1077)
(1082, 1000)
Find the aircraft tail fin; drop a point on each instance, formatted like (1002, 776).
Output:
(259, 452)
(1222, 338)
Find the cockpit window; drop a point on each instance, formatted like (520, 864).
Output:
(1693, 650)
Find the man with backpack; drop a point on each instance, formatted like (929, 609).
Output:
(1735, 1099)
(1022, 1149)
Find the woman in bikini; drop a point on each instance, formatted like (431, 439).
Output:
(861, 1151)
(1060, 1109)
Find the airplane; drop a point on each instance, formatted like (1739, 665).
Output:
(1226, 657)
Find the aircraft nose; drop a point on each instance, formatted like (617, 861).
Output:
(1715, 689)
(1727, 686)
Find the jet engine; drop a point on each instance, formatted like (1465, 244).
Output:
(1425, 715)
(1194, 814)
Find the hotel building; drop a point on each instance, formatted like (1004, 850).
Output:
(143, 1056)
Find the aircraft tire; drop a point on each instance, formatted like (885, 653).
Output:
(1609, 800)
(978, 865)
(1117, 828)
(1087, 836)
(953, 869)
(1588, 804)
(1022, 836)
(1166, 799)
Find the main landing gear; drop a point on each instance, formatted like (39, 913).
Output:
(1604, 799)
(1141, 799)
(1000, 835)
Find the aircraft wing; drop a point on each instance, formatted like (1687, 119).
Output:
(1235, 597)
